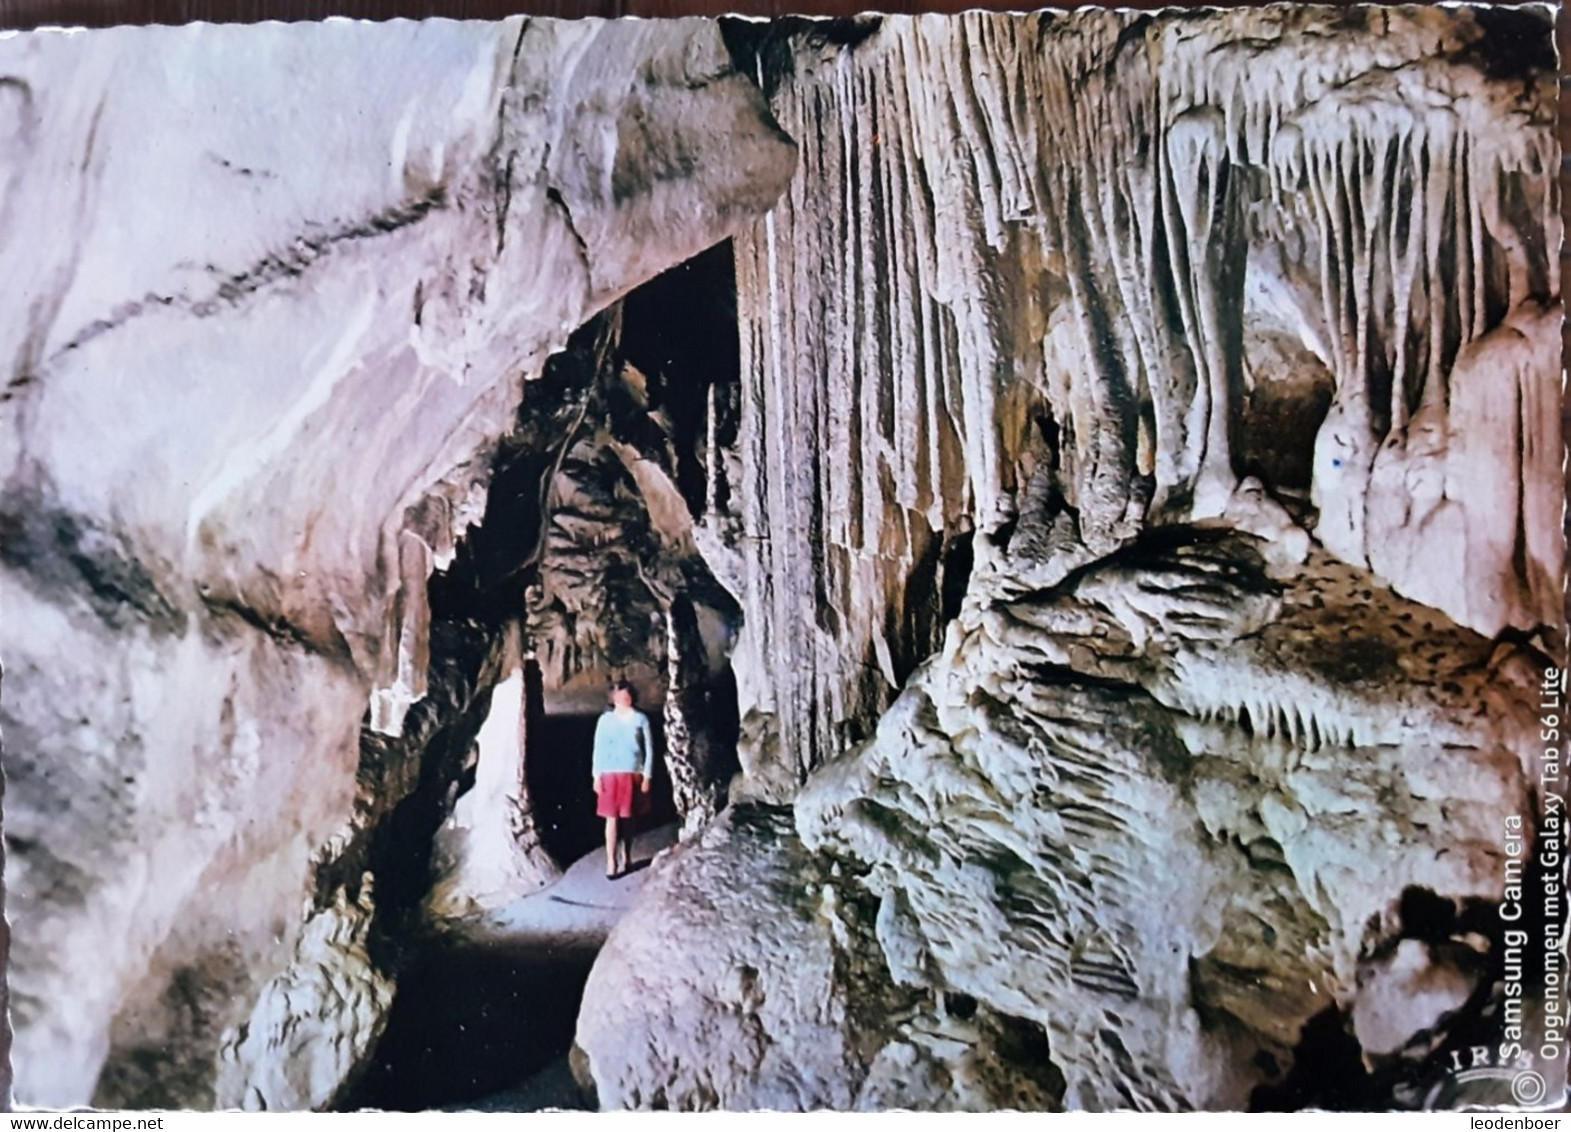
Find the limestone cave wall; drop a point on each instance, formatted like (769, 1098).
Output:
(1285, 269)
(254, 382)
(1194, 330)
(1126, 492)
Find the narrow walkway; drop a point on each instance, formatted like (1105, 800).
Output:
(579, 910)
(572, 917)
(485, 1019)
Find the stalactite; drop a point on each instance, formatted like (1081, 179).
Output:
(689, 741)
(712, 456)
(995, 211)
(409, 617)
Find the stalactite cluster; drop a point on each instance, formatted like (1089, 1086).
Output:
(999, 218)
(1133, 464)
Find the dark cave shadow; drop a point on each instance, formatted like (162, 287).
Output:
(471, 1021)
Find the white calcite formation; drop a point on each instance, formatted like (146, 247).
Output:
(1207, 365)
(1139, 227)
(1295, 754)
(313, 1024)
(1290, 748)
(489, 851)
(746, 982)
(273, 294)
(1144, 517)
(727, 991)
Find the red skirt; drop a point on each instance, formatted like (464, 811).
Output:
(620, 796)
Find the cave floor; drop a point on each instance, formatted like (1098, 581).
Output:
(578, 910)
(485, 1021)
(552, 1088)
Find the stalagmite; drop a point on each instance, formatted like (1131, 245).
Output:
(489, 852)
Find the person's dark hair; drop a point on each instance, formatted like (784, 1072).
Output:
(623, 686)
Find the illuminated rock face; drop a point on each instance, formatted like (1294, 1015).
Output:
(297, 280)
(1309, 249)
(790, 1006)
(1168, 810)
(1148, 421)
(1144, 424)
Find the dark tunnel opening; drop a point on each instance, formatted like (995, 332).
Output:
(680, 330)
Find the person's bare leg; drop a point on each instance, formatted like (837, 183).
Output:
(625, 844)
(612, 844)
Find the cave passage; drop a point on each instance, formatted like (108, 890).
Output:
(570, 559)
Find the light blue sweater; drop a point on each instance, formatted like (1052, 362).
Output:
(623, 744)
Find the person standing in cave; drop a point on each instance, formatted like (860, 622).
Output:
(622, 767)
